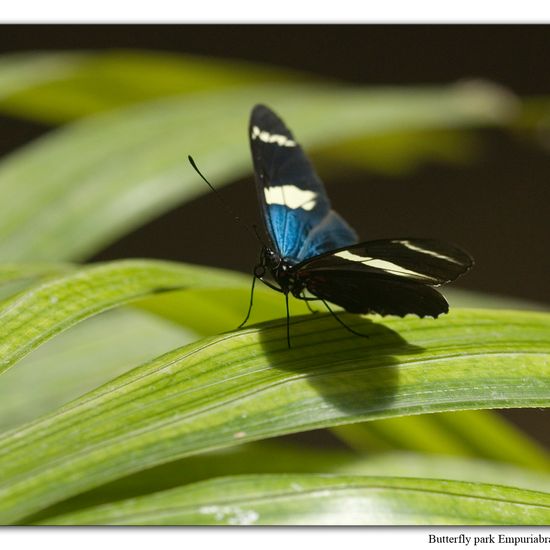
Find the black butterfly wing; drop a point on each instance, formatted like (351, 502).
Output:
(358, 292)
(426, 261)
(390, 277)
(295, 207)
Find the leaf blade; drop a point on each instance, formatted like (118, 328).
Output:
(43, 310)
(247, 385)
(88, 355)
(57, 87)
(324, 500)
(450, 434)
(280, 457)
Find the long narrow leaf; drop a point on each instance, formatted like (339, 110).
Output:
(325, 500)
(469, 298)
(15, 278)
(54, 297)
(78, 361)
(37, 314)
(276, 456)
(20, 72)
(248, 385)
(213, 310)
(451, 434)
(18, 271)
(59, 86)
(70, 366)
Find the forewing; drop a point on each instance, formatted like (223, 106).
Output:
(295, 207)
(425, 261)
(363, 292)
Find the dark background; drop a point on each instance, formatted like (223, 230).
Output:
(497, 207)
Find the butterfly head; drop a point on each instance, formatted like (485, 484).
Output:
(282, 271)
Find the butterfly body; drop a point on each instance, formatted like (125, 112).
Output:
(281, 270)
(313, 253)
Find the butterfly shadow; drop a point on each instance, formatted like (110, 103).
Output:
(356, 375)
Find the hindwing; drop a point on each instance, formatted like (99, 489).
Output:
(390, 277)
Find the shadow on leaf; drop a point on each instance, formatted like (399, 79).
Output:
(355, 374)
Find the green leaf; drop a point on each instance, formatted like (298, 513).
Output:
(248, 385)
(214, 310)
(449, 433)
(18, 271)
(15, 278)
(52, 297)
(276, 456)
(20, 72)
(81, 359)
(41, 311)
(68, 366)
(404, 151)
(273, 456)
(435, 466)
(103, 176)
(56, 87)
(468, 298)
(324, 500)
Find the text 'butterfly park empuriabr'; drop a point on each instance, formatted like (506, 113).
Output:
(313, 253)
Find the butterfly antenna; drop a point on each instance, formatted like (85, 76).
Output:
(227, 208)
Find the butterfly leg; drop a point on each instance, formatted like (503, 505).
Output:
(259, 272)
(287, 321)
(307, 300)
(302, 296)
(342, 322)
(251, 302)
(311, 310)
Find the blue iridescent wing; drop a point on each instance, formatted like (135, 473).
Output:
(295, 207)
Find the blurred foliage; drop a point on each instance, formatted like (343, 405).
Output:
(76, 436)
(400, 152)
(133, 159)
(58, 87)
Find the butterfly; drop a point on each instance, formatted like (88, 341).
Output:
(312, 253)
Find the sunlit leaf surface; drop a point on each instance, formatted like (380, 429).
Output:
(248, 385)
(325, 500)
